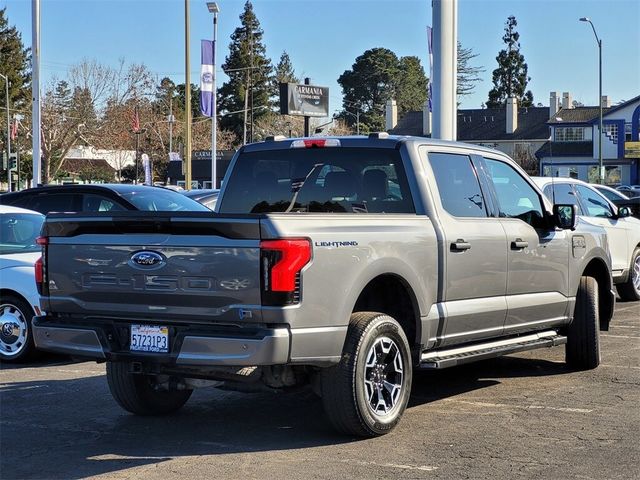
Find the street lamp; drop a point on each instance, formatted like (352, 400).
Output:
(213, 8)
(6, 83)
(599, 42)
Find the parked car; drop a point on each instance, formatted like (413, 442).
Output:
(341, 263)
(623, 231)
(619, 199)
(19, 299)
(100, 198)
(630, 191)
(206, 196)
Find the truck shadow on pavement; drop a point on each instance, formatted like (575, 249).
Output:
(72, 428)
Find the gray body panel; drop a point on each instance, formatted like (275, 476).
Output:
(487, 291)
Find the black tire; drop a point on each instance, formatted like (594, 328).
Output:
(630, 290)
(583, 334)
(136, 393)
(16, 338)
(346, 394)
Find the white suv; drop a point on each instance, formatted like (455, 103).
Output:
(623, 231)
(19, 299)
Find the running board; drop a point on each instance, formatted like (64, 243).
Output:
(435, 359)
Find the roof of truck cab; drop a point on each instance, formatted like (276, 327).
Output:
(364, 141)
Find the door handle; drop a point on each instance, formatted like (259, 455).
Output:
(460, 245)
(519, 244)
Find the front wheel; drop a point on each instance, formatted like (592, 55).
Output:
(367, 392)
(138, 393)
(16, 340)
(630, 290)
(583, 334)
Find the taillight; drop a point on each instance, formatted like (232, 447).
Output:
(40, 267)
(281, 262)
(39, 273)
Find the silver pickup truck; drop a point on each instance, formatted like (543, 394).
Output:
(342, 263)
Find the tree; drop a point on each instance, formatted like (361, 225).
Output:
(250, 85)
(468, 75)
(284, 74)
(510, 79)
(376, 76)
(15, 61)
(16, 64)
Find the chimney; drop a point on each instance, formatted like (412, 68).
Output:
(554, 103)
(391, 115)
(512, 114)
(606, 101)
(426, 120)
(567, 100)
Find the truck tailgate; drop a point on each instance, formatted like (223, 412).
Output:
(172, 267)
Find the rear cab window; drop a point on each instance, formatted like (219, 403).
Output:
(331, 179)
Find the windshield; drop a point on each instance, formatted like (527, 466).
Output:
(18, 232)
(331, 179)
(162, 200)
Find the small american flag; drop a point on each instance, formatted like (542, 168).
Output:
(14, 129)
(135, 121)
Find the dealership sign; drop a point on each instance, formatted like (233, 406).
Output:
(304, 100)
(631, 149)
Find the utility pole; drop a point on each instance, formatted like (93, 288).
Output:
(6, 84)
(445, 34)
(35, 93)
(187, 90)
(251, 70)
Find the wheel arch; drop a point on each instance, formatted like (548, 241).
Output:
(391, 294)
(598, 269)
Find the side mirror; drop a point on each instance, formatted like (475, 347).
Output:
(624, 212)
(565, 216)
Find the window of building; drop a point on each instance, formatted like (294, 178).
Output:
(612, 175)
(611, 131)
(569, 134)
(627, 133)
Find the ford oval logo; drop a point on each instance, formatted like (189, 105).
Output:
(147, 260)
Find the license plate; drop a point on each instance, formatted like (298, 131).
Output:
(149, 338)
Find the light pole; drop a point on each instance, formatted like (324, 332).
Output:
(6, 83)
(599, 42)
(213, 8)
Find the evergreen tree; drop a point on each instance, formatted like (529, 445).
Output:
(510, 78)
(411, 85)
(250, 76)
(284, 71)
(16, 63)
(376, 76)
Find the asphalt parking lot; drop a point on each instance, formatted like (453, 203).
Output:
(522, 416)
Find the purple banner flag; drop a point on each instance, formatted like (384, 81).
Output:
(430, 41)
(206, 78)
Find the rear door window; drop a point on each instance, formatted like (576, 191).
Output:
(458, 185)
(330, 179)
(594, 204)
(55, 202)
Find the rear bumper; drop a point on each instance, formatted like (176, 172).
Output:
(201, 347)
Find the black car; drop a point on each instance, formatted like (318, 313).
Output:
(620, 199)
(206, 196)
(100, 198)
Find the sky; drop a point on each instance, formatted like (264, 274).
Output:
(323, 38)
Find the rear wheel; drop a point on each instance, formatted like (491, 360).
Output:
(367, 392)
(583, 334)
(16, 340)
(138, 393)
(630, 290)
